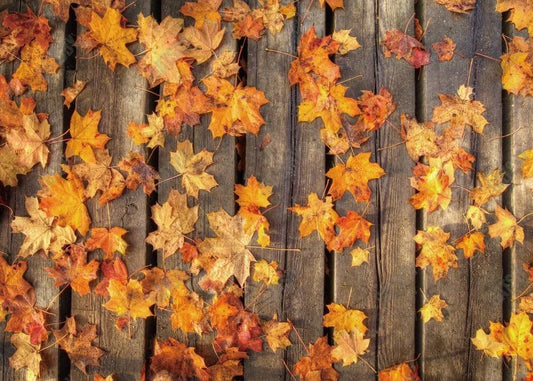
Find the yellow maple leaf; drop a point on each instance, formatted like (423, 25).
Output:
(520, 15)
(435, 251)
(490, 186)
(317, 215)
(350, 345)
(527, 166)
(433, 185)
(470, 243)
(151, 133)
(110, 241)
(85, 136)
(266, 272)
(487, 343)
(128, 299)
(343, 319)
(35, 62)
(277, 333)
(359, 256)
(506, 228)
(29, 143)
(433, 309)
(347, 42)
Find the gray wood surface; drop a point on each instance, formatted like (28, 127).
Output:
(121, 97)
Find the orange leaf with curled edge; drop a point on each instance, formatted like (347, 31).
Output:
(114, 269)
(458, 6)
(129, 299)
(72, 269)
(235, 110)
(517, 67)
(400, 372)
(109, 240)
(470, 243)
(64, 199)
(110, 37)
(251, 197)
(328, 104)
(35, 62)
(139, 173)
(202, 11)
(173, 360)
(490, 186)
(445, 49)
(77, 344)
(333, 4)
(163, 49)
(433, 309)
(12, 282)
(460, 111)
(318, 365)
(174, 220)
(317, 215)
(433, 185)
(354, 177)
(188, 313)
(352, 227)
(70, 93)
(375, 109)
(85, 136)
(406, 47)
(435, 251)
(343, 319)
(228, 366)
(506, 228)
(520, 15)
(29, 143)
(527, 166)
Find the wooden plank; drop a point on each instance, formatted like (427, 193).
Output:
(50, 102)
(303, 293)
(271, 166)
(348, 289)
(396, 255)
(219, 197)
(446, 346)
(121, 98)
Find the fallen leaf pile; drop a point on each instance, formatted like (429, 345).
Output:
(59, 227)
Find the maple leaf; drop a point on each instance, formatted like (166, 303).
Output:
(420, 138)
(375, 109)
(435, 251)
(163, 49)
(72, 269)
(517, 336)
(235, 110)
(354, 177)
(266, 272)
(490, 186)
(460, 111)
(317, 215)
(527, 166)
(400, 372)
(476, 216)
(192, 168)
(520, 14)
(433, 309)
(251, 26)
(9, 167)
(114, 269)
(203, 41)
(318, 365)
(77, 344)
(64, 199)
(445, 49)
(342, 319)
(224, 66)
(333, 4)
(85, 136)
(70, 93)
(470, 243)
(61, 7)
(139, 173)
(29, 143)
(174, 220)
(41, 232)
(328, 104)
(433, 185)
(228, 365)
(128, 299)
(251, 197)
(228, 250)
(352, 227)
(277, 333)
(346, 42)
(100, 176)
(26, 355)
(406, 47)
(359, 256)
(34, 62)
(458, 6)
(98, 377)
(517, 67)
(202, 11)
(488, 344)
(506, 228)
(109, 241)
(350, 345)
(12, 283)
(187, 309)
(274, 14)
(108, 34)
(151, 133)
(177, 361)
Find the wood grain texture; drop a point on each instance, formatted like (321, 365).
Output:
(51, 103)
(272, 165)
(121, 97)
(396, 255)
(357, 287)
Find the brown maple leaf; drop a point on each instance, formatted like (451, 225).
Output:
(406, 47)
(77, 344)
(318, 365)
(445, 49)
(139, 173)
(9, 167)
(458, 6)
(61, 7)
(277, 333)
(228, 366)
(177, 361)
(435, 251)
(203, 41)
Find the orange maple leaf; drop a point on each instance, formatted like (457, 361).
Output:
(333, 4)
(317, 215)
(128, 299)
(400, 372)
(174, 360)
(114, 269)
(520, 14)
(527, 165)
(490, 186)
(435, 251)
(406, 47)
(35, 62)
(201, 11)
(352, 227)
(318, 365)
(470, 243)
(433, 185)
(109, 241)
(517, 67)
(375, 109)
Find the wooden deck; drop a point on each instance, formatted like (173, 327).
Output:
(389, 289)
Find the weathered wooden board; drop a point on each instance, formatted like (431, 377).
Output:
(396, 254)
(121, 97)
(447, 349)
(51, 103)
(357, 287)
